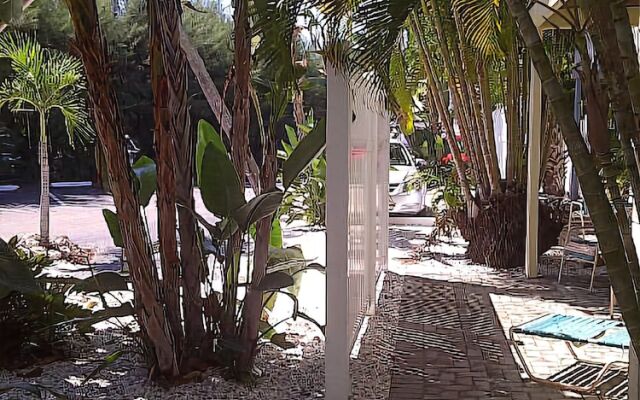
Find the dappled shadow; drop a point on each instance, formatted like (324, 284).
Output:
(406, 239)
(447, 262)
(450, 345)
(29, 196)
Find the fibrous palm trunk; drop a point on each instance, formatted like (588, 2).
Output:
(91, 45)
(240, 137)
(628, 51)
(166, 188)
(180, 129)
(604, 39)
(602, 215)
(44, 181)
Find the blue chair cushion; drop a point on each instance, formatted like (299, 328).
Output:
(569, 327)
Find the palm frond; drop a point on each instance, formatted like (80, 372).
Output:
(481, 24)
(273, 23)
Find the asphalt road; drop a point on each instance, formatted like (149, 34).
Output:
(75, 212)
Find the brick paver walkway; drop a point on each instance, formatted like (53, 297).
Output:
(451, 336)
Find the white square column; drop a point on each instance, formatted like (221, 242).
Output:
(337, 345)
(533, 171)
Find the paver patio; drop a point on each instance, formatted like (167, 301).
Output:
(450, 339)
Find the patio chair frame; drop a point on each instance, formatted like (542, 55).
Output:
(591, 389)
(577, 208)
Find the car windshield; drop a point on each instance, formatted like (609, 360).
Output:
(398, 156)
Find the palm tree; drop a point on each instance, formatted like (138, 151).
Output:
(42, 81)
(91, 45)
(604, 220)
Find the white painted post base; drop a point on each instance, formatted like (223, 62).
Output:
(634, 376)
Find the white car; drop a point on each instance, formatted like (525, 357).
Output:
(402, 167)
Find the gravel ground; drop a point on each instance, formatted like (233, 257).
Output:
(371, 370)
(297, 373)
(293, 374)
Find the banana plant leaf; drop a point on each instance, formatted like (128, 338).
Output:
(220, 186)
(310, 147)
(206, 134)
(111, 219)
(15, 274)
(146, 174)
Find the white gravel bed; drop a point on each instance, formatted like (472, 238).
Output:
(372, 369)
(293, 374)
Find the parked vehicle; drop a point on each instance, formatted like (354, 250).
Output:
(402, 199)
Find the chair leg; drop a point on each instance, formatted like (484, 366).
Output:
(612, 302)
(593, 272)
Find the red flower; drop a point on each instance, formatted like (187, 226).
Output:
(465, 157)
(446, 158)
(458, 137)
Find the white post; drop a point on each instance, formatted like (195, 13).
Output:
(634, 369)
(371, 223)
(535, 134)
(337, 347)
(384, 136)
(634, 375)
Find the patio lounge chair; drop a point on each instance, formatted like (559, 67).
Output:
(583, 377)
(578, 246)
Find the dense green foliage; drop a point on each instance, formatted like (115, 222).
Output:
(128, 39)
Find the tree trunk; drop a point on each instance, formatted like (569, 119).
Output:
(604, 40)
(253, 301)
(628, 51)
(602, 215)
(598, 136)
(44, 181)
(461, 115)
(442, 112)
(166, 188)
(180, 129)
(239, 142)
(298, 94)
(91, 45)
(487, 118)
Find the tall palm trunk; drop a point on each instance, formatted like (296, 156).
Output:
(599, 139)
(478, 116)
(628, 51)
(298, 94)
(487, 118)
(239, 145)
(458, 104)
(239, 153)
(92, 47)
(604, 39)
(166, 188)
(180, 129)
(609, 238)
(44, 181)
(442, 111)
(512, 110)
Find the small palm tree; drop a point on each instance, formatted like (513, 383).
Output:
(42, 81)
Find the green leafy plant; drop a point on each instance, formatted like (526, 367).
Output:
(306, 198)
(224, 310)
(35, 315)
